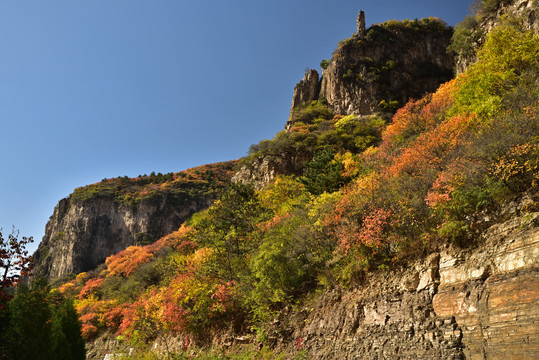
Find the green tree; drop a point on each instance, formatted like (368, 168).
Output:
(287, 264)
(229, 227)
(509, 56)
(323, 173)
(28, 335)
(40, 325)
(66, 337)
(466, 37)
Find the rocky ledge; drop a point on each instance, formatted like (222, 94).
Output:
(476, 303)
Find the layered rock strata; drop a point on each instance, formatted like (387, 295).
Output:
(480, 303)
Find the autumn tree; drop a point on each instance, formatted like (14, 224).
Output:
(14, 261)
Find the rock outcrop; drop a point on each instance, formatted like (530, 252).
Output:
(493, 293)
(305, 91)
(476, 303)
(80, 236)
(375, 71)
(100, 220)
(381, 68)
(262, 170)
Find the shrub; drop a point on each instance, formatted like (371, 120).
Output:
(316, 109)
(430, 24)
(229, 228)
(287, 264)
(323, 173)
(509, 53)
(519, 168)
(486, 8)
(324, 64)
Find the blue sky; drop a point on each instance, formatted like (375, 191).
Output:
(98, 89)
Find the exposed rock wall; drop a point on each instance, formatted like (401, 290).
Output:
(481, 303)
(493, 293)
(527, 10)
(305, 91)
(101, 219)
(379, 69)
(261, 171)
(81, 235)
(386, 65)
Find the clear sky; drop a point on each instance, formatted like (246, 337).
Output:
(105, 88)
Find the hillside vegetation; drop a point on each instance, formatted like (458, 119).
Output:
(199, 181)
(368, 199)
(374, 196)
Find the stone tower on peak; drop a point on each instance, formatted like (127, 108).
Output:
(361, 23)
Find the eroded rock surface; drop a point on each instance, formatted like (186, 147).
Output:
(494, 293)
(380, 68)
(80, 236)
(480, 303)
(99, 220)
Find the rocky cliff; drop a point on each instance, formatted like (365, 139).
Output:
(380, 68)
(102, 219)
(262, 170)
(373, 72)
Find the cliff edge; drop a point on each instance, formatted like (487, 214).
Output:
(99, 220)
(378, 69)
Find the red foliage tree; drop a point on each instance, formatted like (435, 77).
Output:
(127, 261)
(417, 117)
(90, 287)
(14, 260)
(431, 148)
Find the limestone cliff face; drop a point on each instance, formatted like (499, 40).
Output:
(528, 10)
(307, 90)
(389, 64)
(80, 236)
(380, 68)
(261, 171)
(100, 220)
